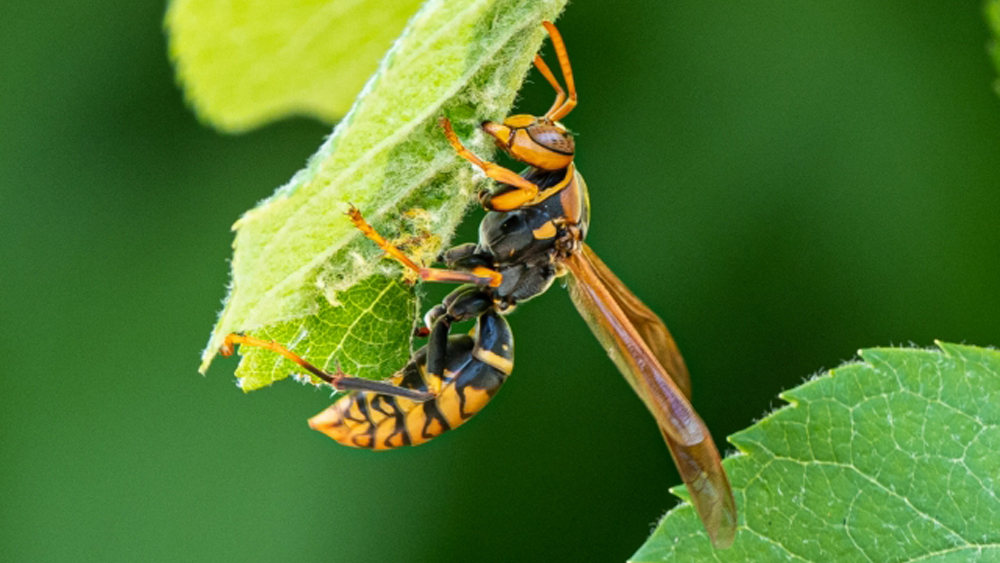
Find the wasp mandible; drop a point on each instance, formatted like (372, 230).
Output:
(533, 233)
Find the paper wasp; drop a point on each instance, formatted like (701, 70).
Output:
(532, 234)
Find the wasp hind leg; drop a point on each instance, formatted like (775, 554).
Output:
(466, 302)
(479, 275)
(338, 379)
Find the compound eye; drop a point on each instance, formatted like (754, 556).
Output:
(552, 137)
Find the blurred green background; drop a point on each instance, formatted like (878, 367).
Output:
(784, 183)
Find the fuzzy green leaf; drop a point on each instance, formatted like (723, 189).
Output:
(244, 63)
(297, 253)
(892, 459)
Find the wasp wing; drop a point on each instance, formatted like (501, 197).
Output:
(630, 353)
(649, 326)
(702, 472)
(612, 312)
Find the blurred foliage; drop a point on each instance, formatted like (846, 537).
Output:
(992, 11)
(783, 182)
(248, 62)
(889, 459)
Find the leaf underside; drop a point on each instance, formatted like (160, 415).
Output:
(891, 459)
(363, 330)
(297, 256)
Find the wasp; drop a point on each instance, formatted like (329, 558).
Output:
(533, 233)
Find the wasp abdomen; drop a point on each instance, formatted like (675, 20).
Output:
(474, 371)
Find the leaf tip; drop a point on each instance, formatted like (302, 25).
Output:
(206, 360)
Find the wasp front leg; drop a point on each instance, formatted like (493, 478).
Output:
(524, 192)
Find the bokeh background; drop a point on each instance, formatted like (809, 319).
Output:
(784, 182)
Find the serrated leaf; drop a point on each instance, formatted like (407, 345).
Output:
(297, 251)
(244, 63)
(891, 459)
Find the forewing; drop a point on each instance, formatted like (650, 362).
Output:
(630, 353)
(612, 311)
(649, 326)
(707, 483)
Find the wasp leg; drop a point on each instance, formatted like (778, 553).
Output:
(479, 275)
(338, 380)
(547, 73)
(560, 109)
(466, 302)
(525, 192)
(457, 253)
(466, 257)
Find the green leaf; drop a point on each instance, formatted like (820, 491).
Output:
(891, 459)
(297, 254)
(363, 330)
(244, 63)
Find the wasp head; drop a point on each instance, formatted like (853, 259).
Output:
(535, 141)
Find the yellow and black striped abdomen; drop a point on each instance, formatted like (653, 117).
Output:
(474, 372)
